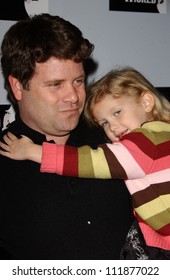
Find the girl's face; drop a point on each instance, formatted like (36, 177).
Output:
(119, 116)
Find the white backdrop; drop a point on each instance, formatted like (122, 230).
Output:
(141, 40)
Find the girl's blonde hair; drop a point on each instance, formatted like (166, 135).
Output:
(126, 81)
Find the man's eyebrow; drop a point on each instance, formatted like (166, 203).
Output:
(81, 76)
(62, 80)
(54, 81)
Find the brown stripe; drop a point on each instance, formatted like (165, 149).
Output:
(152, 192)
(116, 169)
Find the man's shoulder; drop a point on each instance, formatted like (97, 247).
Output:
(12, 128)
(85, 134)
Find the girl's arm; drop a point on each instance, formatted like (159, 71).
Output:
(20, 148)
(119, 160)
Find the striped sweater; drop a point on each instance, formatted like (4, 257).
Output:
(141, 158)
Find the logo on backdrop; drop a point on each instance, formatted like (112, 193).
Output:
(7, 116)
(144, 6)
(20, 9)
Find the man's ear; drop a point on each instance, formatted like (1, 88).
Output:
(16, 86)
(148, 101)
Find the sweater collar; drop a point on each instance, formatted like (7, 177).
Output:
(157, 126)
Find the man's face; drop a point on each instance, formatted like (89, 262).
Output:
(56, 97)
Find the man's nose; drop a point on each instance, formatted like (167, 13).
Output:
(72, 94)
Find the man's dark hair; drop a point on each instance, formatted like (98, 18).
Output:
(36, 39)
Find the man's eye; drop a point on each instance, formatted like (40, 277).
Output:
(79, 82)
(54, 85)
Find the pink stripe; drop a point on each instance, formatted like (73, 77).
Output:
(161, 163)
(145, 161)
(143, 183)
(48, 163)
(147, 164)
(133, 170)
(52, 158)
(155, 239)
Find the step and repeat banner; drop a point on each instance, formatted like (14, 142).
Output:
(20, 9)
(145, 6)
(13, 11)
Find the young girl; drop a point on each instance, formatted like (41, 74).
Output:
(136, 119)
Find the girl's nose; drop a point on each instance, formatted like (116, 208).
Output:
(113, 126)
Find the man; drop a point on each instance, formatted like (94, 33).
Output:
(46, 216)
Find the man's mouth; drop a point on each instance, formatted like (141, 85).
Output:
(70, 109)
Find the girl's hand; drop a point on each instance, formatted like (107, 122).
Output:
(14, 147)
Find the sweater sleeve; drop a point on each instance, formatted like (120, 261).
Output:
(141, 158)
(52, 158)
(107, 161)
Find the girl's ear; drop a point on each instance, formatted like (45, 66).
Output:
(148, 101)
(16, 86)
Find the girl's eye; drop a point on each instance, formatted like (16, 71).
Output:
(117, 113)
(104, 124)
